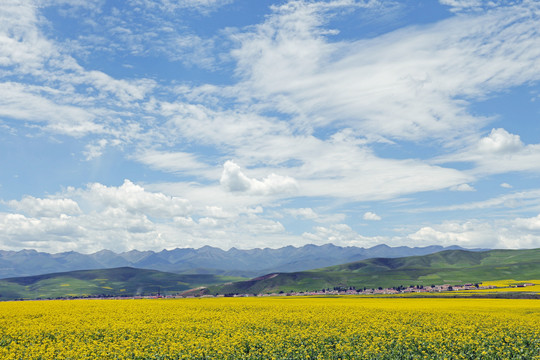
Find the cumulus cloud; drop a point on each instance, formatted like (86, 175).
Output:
(233, 179)
(462, 187)
(532, 224)
(45, 207)
(500, 141)
(135, 199)
(130, 217)
(371, 216)
(48, 233)
(506, 185)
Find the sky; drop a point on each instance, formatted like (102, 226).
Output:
(162, 124)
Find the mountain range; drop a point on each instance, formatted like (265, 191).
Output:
(445, 267)
(205, 260)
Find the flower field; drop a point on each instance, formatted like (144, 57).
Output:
(271, 328)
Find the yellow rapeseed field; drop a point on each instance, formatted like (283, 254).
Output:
(271, 328)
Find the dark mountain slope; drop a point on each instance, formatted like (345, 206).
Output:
(451, 266)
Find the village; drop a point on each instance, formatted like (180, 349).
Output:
(363, 291)
(200, 292)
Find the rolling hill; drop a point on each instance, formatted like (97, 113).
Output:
(445, 267)
(123, 281)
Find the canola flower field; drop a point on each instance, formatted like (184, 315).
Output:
(271, 328)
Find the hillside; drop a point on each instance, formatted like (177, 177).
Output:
(124, 281)
(446, 267)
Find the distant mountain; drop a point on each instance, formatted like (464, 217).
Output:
(206, 260)
(446, 267)
(123, 281)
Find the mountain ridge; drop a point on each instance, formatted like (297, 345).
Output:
(207, 259)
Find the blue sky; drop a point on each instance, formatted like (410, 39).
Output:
(156, 124)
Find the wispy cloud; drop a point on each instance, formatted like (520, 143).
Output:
(522, 199)
(291, 64)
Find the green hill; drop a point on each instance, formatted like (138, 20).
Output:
(124, 281)
(446, 267)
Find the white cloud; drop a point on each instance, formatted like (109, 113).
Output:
(522, 199)
(498, 152)
(530, 224)
(168, 5)
(318, 165)
(342, 235)
(95, 150)
(122, 218)
(462, 187)
(48, 207)
(21, 43)
(24, 103)
(500, 141)
(49, 233)
(218, 212)
(223, 128)
(289, 64)
(130, 217)
(141, 28)
(46, 86)
(135, 199)
(462, 4)
(506, 185)
(176, 162)
(233, 179)
(303, 213)
(474, 5)
(320, 216)
(371, 216)
(500, 234)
